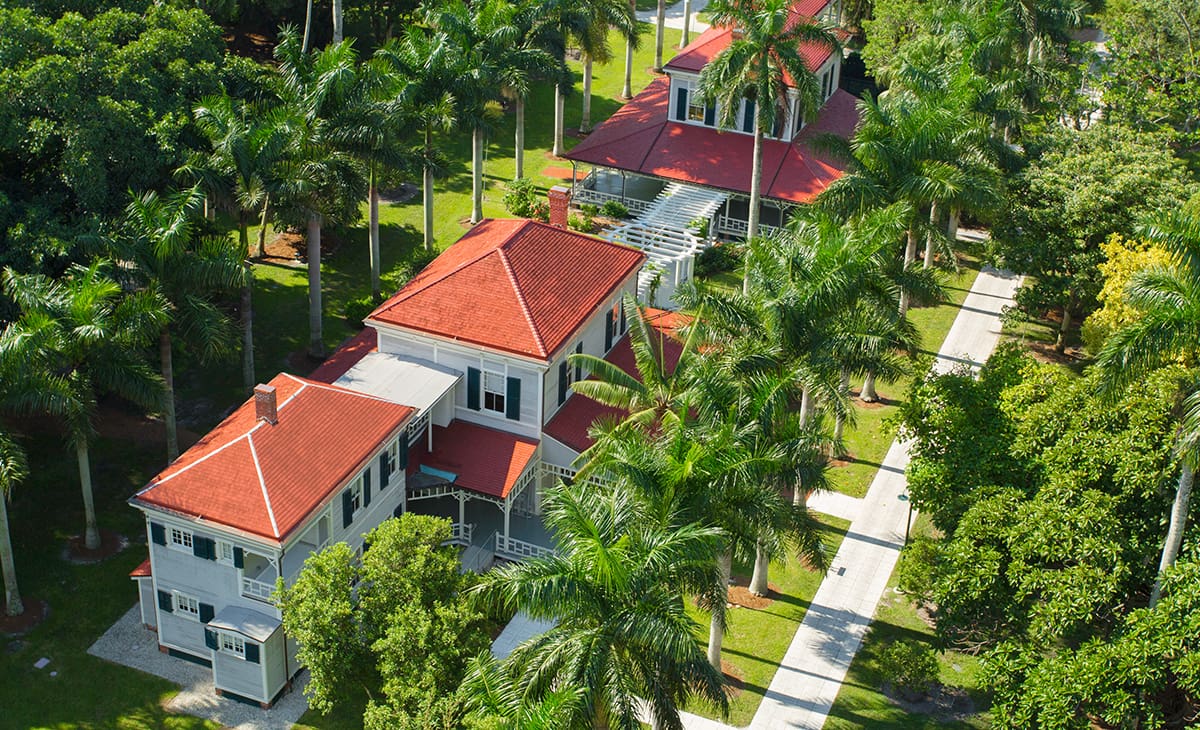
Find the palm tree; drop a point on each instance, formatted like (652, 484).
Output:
(615, 592)
(492, 695)
(319, 174)
(1168, 300)
(13, 470)
(575, 22)
(421, 65)
(660, 28)
(763, 66)
(608, 14)
(187, 274)
(656, 394)
(489, 44)
(896, 156)
(246, 144)
(518, 84)
(627, 84)
(94, 336)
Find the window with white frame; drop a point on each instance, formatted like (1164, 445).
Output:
(393, 451)
(181, 539)
(493, 391)
(187, 606)
(356, 495)
(233, 644)
(224, 552)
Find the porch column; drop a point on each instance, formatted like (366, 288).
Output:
(429, 436)
(462, 507)
(623, 187)
(507, 511)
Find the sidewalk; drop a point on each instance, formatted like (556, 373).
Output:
(811, 673)
(673, 18)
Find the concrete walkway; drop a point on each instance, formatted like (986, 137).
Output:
(811, 673)
(673, 18)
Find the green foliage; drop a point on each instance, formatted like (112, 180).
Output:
(356, 310)
(589, 209)
(522, 197)
(1123, 258)
(911, 667)
(717, 259)
(91, 108)
(614, 209)
(1082, 188)
(581, 223)
(1153, 73)
(401, 639)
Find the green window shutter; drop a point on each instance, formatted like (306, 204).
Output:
(347, 509)
(251, 652)
(403, 450)
(206, 612)
(579, 368)
(748, 118)
(563, 373)
(608, 330)
(473, 385)
(512, 400)
(624, 324)
(681, 103)
(164, 602)
(158, 534)
(385, 470)
(200, 547)
(398, 511)
(239, 558)
(710, 115)
(210, 639)
(367, 488)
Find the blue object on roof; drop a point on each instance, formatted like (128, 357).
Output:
(447, 475)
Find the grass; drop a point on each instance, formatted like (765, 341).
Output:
(84, 599)
(871, 435)
(756, 640)
(861, 703)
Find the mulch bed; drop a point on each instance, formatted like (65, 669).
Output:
(880, 400)
(740, 595)
(945, 704)
(734, 684)
(562, 173)
(36, 611)
(111, 543)
(846, 460)
(290, 249)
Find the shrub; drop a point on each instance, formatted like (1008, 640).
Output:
(589, 209)
(540, 211)
(581, 223)
(716, 259)
(522, 198)
(357, 310)
(911, 667)
(917, 568)
(700, 227)
(615, 209)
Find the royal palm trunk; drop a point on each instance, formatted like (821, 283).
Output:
(476, 174)
(716, 629)
(12, 596)
(91, 534)
(1179, 512)
(168, 374)
(316, 338)
(520, 139)
(585, 122)
(373, 235)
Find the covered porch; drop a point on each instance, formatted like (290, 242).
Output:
(484, 481)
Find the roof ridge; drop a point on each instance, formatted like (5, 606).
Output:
(401, 295)
(333, 387)
(201, 460)
(262, 484)
(512, 279)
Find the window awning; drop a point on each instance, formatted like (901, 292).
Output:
(245, 621)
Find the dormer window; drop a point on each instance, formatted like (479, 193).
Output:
(493, 391)
(690, 106)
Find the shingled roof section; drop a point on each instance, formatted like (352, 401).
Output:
(266, 479)
(518, 286)
(639, 138)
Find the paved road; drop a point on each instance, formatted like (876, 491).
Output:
(674, 18)
(807, 682)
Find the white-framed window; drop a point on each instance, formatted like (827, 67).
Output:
(356, 495)
(393, 451)
(494, 387)
(185, 605)
(233, 644)
(690, 106)
(181, 539)
(224, 552)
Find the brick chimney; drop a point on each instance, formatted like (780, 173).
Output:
(560, 202)
(265, 408)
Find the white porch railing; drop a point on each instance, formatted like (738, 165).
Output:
(460, 533)
(585, 194)
(737, 227)
(567, 474)
(514, 549)
(257, 589)
(440, 490)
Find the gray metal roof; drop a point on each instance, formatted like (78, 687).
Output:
(415, 383)
(245, 621)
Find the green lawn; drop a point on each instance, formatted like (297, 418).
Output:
(756, 640)
(870, 437)
(861, 703)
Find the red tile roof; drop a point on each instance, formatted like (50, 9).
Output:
(570, 425)
(142, 571)
(484, 459)
(266, 479)
(709, 44)
(639, 138)
(346, 356)
(513, 285)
